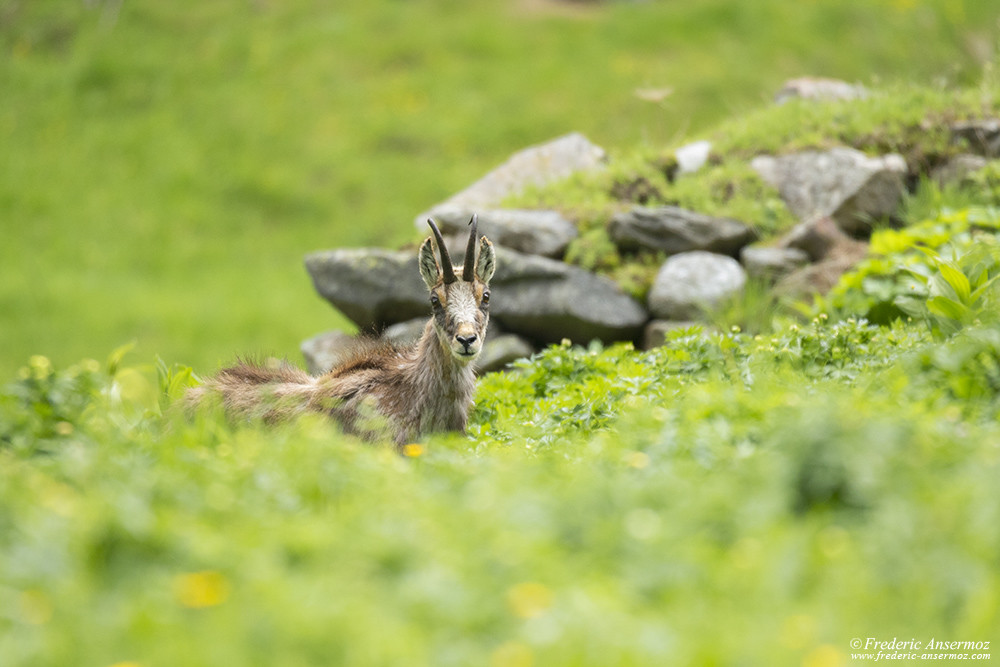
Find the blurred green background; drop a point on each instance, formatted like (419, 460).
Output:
(165, 165)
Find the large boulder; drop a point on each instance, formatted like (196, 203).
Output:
(545, 233)
(675, 230)
(539, 298)
(690, 283)
(842, 183)
(546, 301)
(370, 286)
(533, 166)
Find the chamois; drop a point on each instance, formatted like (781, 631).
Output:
(383, 391)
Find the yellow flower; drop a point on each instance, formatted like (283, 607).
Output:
(512, 654)
(823, 656)
(197, 590)
(529, 599)
(413, 450)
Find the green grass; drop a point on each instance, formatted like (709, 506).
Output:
(166, 166)
(727, 499)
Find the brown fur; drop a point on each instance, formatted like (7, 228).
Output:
(380, 391)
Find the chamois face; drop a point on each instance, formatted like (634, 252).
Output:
(460, 303)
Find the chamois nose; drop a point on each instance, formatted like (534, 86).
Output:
(466, 341)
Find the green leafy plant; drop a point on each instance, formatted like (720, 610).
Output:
(958, 291)
(902, 263)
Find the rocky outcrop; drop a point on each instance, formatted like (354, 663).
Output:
(546, 301)
(690, 283)
(371, 286)
(541, 299)
(538, 299)
(545, 233)
(675, 230)
(534, 166)
(841, 183)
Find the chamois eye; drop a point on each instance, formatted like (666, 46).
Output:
(435, 301)
(486, 297)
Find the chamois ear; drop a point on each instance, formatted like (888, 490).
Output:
(487, 262)
(429, 269)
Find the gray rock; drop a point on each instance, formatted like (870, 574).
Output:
(324, 351)
(821, 238)
(372, 287)
(834, 252)
(539, 298)
(675, 230)
(500, 351)
(843, 183)
(772, 263)
(545, 300)
(981, 136)
(820, 90)
(813, 279)
(545, 233)
(406, 333)
(692, 157)
(958, 169)
(691, 282)
(656, 332)
(534, 166)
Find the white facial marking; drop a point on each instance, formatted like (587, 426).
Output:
(466, 337)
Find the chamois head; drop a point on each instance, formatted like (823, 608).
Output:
(460, 305)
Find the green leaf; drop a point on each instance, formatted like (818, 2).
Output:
(947, 308)
(956, 279)
(115, 358)
(981, 290)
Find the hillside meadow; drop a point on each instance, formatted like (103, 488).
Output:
(773, 487)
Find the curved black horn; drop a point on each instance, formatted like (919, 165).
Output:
(468, 271)
(447, 270)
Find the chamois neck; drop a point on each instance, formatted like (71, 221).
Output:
(435, 371)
